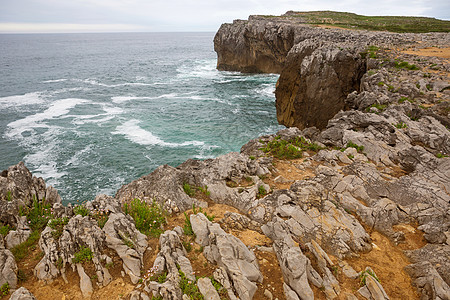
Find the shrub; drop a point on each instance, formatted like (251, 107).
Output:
(85, 254)
(81, 210)
(290, 149)
(189, 287)
(39, 214)
(58, 225)
(405, 65)
(363, 276)
(261, 192)
(400, 125)
(350, 144)
(148, 218)
(101, 216)
(4, 230)
(188, 190)
(4, 289)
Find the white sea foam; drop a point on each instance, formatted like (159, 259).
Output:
(57, 109)
(138, 135)
(110, 113)
(266, 90)
(97, 83)
(20, 100)
(55, 80)
(74, 160)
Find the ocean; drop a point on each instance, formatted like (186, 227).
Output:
(91, 112)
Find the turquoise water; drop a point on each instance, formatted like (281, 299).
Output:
(91, 112)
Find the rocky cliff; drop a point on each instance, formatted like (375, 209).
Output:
(318, 67)
(355, 207)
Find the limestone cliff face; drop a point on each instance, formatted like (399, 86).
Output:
(315, 82)
(253, 46)
(319, 67)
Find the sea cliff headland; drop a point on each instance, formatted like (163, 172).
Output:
(351, 201)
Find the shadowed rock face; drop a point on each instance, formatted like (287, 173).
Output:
(316, 81)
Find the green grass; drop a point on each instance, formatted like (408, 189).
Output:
(4, 230)
(84, 255)
(405, 65)
(38, 215)
(149, 219)
(58, 225)
(440, 155)
(380, 107)
(350, 144)
(81, 210)
(101, 216)
(188, 190)
(187, 228)
(401, 125)
(403, 99)
(290, 149)
(190, 288)
(383, 23)
(23, 250)
(4, 289)
(8, 196)
(261, 192)
(363, 276)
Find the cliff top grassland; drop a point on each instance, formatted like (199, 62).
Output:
(349, 202)
(375, 23)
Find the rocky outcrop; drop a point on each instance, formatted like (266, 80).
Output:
(316, 80)
(230, 254)
(19, 188)
(22, 294)
(8, 267)
(318, 67)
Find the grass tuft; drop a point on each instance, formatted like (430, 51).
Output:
(149, 219)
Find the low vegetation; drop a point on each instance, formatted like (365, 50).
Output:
(83, 255)
(149, 219)
(379, 23)
(289, 149)
(350, 144)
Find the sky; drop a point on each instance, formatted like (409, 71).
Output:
(51, 16)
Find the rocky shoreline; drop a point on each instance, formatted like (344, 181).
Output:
(351, 202)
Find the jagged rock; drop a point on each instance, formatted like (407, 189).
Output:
(60, 249)
(312, 214)
(20, 235)
(221, 276)
(171, 255)
(207, 289)
(165, 184)
(316, 81)
(104, 203)
(229, 253)
(237, 221)
(8, 267)
(22, 294)
(120, 232)
(18, 187)
(372, 289)
(428, 281)
(85, 282)
(294, 266)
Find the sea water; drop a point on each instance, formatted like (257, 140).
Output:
(91, 112)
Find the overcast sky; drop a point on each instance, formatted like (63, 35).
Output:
(182, 15)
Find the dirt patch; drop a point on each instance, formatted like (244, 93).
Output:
(413, 237)
(431, 52)
(289, 172)
(273, 278)
(388, 262)
(252, 238)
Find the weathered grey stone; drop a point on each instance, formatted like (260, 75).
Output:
(20, 235)
(85, 282)
(8, 268)
(207, 289)
(22, 294)
(229, 253)
(120, 229)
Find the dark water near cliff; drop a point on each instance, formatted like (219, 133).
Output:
(91, 112)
